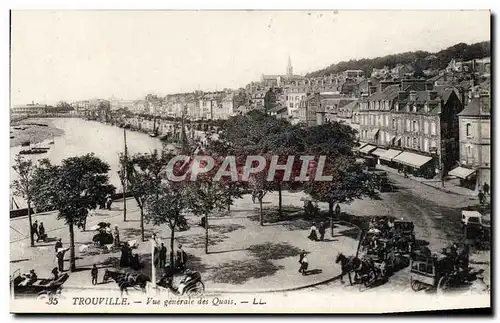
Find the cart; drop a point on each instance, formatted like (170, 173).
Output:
(40, 288)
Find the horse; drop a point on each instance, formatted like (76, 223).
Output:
(125, 280)
(361, 267)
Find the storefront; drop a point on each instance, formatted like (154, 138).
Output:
(387, 158)
(417, 165)
(379, 152)
(467, 176)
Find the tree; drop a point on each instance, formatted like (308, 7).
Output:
(168, 206)
(144, 172)
(23, 185)
(72, 188)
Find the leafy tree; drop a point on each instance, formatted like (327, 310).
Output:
(23, 186)
(143, 173)
(168, 206)
(72, 188)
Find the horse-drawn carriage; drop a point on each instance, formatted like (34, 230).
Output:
(387, 257)
(439, 271)
(186, 282)
(40, 288)
(103, 236)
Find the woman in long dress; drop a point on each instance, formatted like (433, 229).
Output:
(313, 233)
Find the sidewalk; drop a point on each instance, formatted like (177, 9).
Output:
(449, 186)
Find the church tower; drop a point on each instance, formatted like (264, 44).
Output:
(289, 68)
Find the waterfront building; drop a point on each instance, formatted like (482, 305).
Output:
(475, 149)
(415, 121)
(32, 108)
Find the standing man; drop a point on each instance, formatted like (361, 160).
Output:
(163, 256)
(116, 236)
(486, 188)
(58, 245)
(60, 259)
(41, 232)
(322, 230)
(34, 230)
(94, 272)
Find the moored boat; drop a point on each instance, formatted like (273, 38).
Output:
(33, 151)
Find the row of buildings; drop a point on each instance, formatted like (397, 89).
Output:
(436, 125)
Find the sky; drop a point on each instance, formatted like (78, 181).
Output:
(76, 55)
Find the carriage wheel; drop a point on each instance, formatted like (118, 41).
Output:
(415, 285)
(44, 295)
(442, 284)
(196, 290)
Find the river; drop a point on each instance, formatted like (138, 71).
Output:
(81, 137)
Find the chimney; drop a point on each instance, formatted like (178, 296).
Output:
(484, 102)
(413, 96)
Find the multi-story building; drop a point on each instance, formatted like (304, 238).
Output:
(225, 109)
(417, 124)
(475, 137)
(292, 102)
(29, 108)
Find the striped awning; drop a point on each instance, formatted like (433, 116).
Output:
(374, 132)
(412, 159)
(367, 149)
(462, 172)
(379, 152)
(390, 154)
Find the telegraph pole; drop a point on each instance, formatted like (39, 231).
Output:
(125, 175)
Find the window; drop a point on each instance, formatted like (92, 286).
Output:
(408, 142)
(433, 143)
(414, 126)
(394, 124)
(426, 126)
(469, 151)
(468, 130)
(408, 125)
(433, 128)
(415, 143)
(387, 120)
(426, 144)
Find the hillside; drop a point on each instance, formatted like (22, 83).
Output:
(416, 59)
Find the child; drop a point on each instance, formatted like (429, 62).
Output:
(94, 273)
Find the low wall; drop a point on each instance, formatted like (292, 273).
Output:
(24, 212)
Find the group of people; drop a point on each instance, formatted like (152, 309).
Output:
(128, 258)
(38, 230)
(317, 233)
(160, 257)
(481, 195)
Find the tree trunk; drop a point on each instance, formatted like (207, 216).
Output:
(172, 239)
(228, 206)
(280, 201)
(330, 214)
(32, 239)
(261, 213)
(206, 234)
(142, 223)
(72, 264)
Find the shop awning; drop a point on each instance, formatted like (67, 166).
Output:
(398, 138)
(367, 149)
(379, 152)
(392, 139)
(462, 172)
(390, 154)
(374, 132)
(411, 159)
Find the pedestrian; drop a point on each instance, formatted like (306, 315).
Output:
(304, 264)
(322, 230)
(486, 188)
(163, 256)
(58, 245)
(34, 231)
(405, 172)
(480, 196)
(313, 235)
(94, 272)
(60, 259)
(181, 258)
(41, 232)
(116, 236)
(254, 195)
(109, 201)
